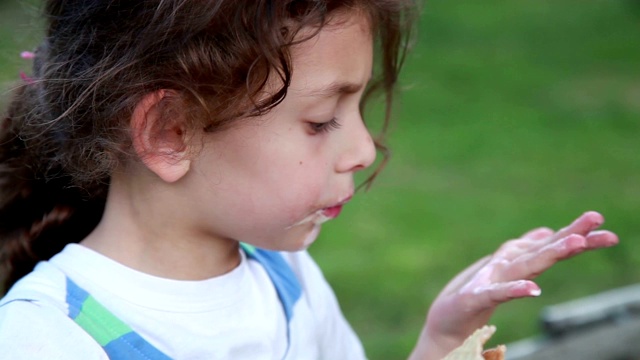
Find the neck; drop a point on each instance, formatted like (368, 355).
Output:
(146, 227)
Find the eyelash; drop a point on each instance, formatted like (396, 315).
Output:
(324, 127)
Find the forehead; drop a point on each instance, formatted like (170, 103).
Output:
(337, 59)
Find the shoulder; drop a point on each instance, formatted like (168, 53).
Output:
(45, 284)
(32, 329)
(34, 322)
(304, 267)
(319, 293)
(336, 337)
(310, 276)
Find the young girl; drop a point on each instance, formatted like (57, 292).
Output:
(168, 162)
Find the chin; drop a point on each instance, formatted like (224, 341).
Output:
(311, 237)
(300, 239)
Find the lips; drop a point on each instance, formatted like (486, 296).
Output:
(324, 214)
(332, 212)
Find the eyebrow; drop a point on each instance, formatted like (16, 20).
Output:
(335, 88)
(338, 88)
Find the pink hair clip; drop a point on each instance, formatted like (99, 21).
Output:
(27, 55)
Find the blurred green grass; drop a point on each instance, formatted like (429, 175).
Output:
(513, 115)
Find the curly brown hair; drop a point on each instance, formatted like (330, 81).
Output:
(67, 127)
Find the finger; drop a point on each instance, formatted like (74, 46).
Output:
(497, 293)
(540, 237)
(538, 233)
(584, 224)
(515, 248)
(533, 264)
(530, 241)
(600, 239)
(466, 275)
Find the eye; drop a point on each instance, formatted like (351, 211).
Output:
(323, 127)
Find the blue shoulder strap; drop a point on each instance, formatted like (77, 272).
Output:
(281, 274)
(119, 341)
(283, 279)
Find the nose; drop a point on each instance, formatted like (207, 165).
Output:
(358, 150)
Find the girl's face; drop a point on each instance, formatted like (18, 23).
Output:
(271, 181)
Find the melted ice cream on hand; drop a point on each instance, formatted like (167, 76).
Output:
(472, 348)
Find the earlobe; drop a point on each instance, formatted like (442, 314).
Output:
(168, 171)
(159, 141)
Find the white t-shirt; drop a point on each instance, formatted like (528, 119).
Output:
(234, 316)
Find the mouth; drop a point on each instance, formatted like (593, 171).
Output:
(332, 212)
(325, 214)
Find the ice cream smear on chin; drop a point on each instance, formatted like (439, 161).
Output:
(320, 216)
(316, 219)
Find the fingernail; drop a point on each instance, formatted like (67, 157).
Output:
(599, 219)
(535, 292)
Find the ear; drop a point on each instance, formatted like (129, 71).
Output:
(159, 138)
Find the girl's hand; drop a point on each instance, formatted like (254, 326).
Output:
(467, 302)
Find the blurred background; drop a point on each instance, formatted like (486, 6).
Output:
(513, 115)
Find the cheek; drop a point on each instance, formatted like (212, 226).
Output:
(292, 193)
(296, 195)
(272, 183)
